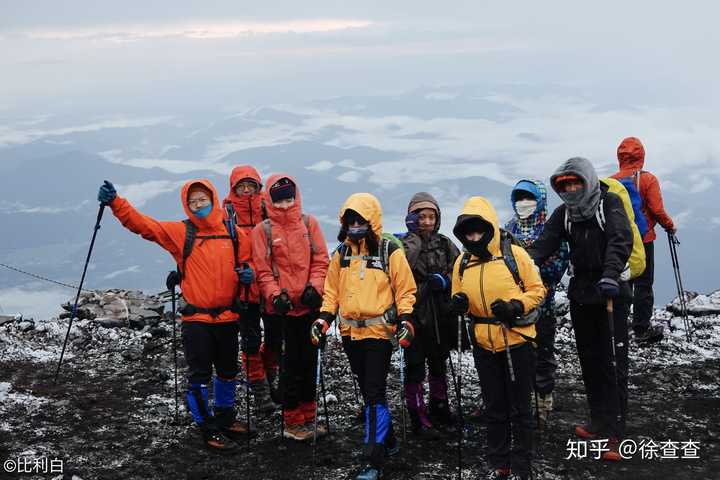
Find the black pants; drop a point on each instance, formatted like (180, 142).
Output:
(643, 298)
(425, 347)
(545, 352)
(509, 410)
(370, 361)
(250, 329)
(606, 393)
(207, 345)
(299, 363)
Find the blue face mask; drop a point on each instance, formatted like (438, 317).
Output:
(357, 233)
(203, 212)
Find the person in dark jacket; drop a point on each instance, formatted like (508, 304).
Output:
(594, 223)
(431, 256)
(529, 201)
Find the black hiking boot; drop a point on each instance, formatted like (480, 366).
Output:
(649, 335)
(215, 441)
(439, 413)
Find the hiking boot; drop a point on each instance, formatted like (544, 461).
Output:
(613, 453)
(650, 335)
(263, 401)
(587, 432)
(214, 440)
(299, 433)
(544, 407)
(498, 474)
(439, 412)
(369, 473)
(238, 430)
(422, 427)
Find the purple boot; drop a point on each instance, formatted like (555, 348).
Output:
(439, 406)
(421, 424)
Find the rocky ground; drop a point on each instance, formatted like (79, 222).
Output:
(110, 415)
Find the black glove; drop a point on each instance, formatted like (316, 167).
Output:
(608, 287)
(405, 331)
(507, 312)
(438, 282)
(107, 193)
(459, 303)
(311, 298)
(282, 304)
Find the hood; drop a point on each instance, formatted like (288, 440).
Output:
(583, 207)
(367, 205)
(423, 200)
(631, 155)
(293, 213)
(244, 208)
(216, 215)
(537, 189)
(480, 207)
(240, 172)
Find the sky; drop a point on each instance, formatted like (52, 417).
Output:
(87, 54)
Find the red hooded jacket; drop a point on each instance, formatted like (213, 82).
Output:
(297, 267)
(248, 212)
(209, 279)
(631, 158)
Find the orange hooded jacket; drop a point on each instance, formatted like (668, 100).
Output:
(631, 158)
(209, 279)
(248, 213)
(297, 267)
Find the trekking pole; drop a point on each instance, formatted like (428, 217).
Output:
(82, 280)
(613, 358)
(317, 401)
(322, 386)
(173, 279)
(674, 242)
(537, 410)
(244, 307)
(402, 393)
(281, 382)
(511, 370)
(458, 393)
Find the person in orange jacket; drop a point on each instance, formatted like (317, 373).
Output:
(291, 258)
(371, 289)
(211, 277)
(631, 159)
(245, 202)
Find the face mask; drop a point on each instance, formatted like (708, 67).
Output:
(572, 199)
(203, 212)
(525, 208)
(357, 233)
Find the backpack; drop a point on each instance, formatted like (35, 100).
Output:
(632, 185)
(507, 240)
(636, 263)
(267, 227)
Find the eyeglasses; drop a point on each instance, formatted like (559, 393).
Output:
(199, 202)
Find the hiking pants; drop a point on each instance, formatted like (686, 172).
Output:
(606, 394)
(425, 348)
(370, 361)
(545, 353)
(298, 365)
(207, 345)
(251, 334)
(508, 406)
(643, 297)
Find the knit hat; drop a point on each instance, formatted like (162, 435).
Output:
(283, 189)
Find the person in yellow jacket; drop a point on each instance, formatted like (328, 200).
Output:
(497, 285)
(370, 288)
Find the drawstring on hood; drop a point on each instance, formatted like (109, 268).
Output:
(581, 204)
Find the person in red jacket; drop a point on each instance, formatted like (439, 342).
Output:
(631, 158)
(246, 203)
(291, 257)
(211, 277)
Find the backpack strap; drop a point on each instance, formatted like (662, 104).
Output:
(306, 221)
(190, 234)
(267, 228)
(464, 261)
(506, 241)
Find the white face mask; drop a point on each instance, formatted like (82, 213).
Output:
(525, 208)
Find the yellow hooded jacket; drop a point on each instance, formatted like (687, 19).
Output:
(362, 290)
(492, 280)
